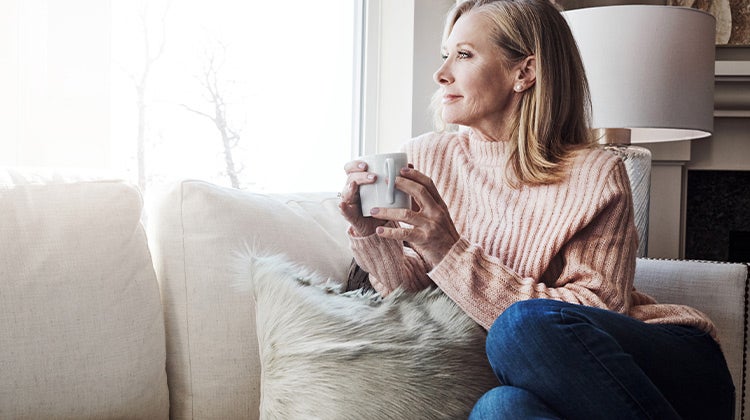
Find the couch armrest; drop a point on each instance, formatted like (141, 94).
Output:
(720, 290)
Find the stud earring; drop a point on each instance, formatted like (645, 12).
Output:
(518, 87)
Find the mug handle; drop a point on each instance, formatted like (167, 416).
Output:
(390, 169)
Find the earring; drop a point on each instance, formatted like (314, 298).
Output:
(518, 87)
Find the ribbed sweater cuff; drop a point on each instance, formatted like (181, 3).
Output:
(461, 263)
(379, 257)
(454, 260)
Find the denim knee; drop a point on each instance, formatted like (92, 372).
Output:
(518, 335)
(491, 405)
(507, 402)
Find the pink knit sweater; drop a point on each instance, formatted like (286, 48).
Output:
(573, 241)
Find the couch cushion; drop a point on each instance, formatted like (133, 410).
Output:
(717, 289)
(81, 324)
(198, 231)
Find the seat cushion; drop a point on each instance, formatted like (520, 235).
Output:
(81, 323)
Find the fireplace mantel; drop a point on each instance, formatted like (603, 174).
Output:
(732, 89)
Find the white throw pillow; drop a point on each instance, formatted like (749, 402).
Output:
(335, 356)
(196, 230)
(81, 324)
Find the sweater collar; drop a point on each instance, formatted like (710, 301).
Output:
(486, 153)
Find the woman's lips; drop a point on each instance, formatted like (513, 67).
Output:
(450, 98)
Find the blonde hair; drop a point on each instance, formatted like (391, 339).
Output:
(552, 119)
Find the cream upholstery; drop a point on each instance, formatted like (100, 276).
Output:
(81, 324)
(197, 230)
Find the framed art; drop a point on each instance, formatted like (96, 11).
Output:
(732, 18)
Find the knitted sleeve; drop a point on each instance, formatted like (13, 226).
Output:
(391, 265)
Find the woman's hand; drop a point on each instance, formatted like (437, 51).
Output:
(433, 233)
(357, 175)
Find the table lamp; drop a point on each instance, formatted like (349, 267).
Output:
(651, 75)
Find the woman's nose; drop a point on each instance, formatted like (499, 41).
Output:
(442, 75)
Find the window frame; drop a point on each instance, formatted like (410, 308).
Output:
(401, 51)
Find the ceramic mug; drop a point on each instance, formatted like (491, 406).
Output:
(383, 193)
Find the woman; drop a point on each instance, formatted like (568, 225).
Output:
(529, 228)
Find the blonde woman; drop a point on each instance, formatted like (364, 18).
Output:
(529, 228)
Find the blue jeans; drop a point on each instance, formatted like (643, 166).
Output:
(558, 360)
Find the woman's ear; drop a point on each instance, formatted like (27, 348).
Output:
(526, 76)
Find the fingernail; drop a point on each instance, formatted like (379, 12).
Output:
(379, 230)
(405, 170)
(362, 165)
(374, 211)
(371, 176)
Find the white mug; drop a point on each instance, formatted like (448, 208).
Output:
(383, 193)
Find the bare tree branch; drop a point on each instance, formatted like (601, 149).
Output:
(201, 113)
(141, 84)
(214, 94)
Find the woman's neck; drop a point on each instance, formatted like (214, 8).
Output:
(494, 135)
(484, 135)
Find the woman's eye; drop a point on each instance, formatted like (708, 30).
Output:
(460, 54)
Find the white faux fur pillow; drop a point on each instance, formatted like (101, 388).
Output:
(326, 355)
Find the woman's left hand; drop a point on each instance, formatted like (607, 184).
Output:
(433, 233)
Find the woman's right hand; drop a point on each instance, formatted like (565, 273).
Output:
(356, 175)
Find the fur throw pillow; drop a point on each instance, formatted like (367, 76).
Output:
(331, 355)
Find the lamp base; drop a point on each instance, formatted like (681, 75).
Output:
(637, 162)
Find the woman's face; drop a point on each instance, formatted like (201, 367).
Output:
(476, 83)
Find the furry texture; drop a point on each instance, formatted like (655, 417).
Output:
(326, 355)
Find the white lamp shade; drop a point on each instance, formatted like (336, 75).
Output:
(650, 69)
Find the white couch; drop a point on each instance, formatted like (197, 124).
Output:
(100, 320)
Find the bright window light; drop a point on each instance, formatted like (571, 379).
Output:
(258, 95)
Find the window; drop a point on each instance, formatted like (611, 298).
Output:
(256, 95)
